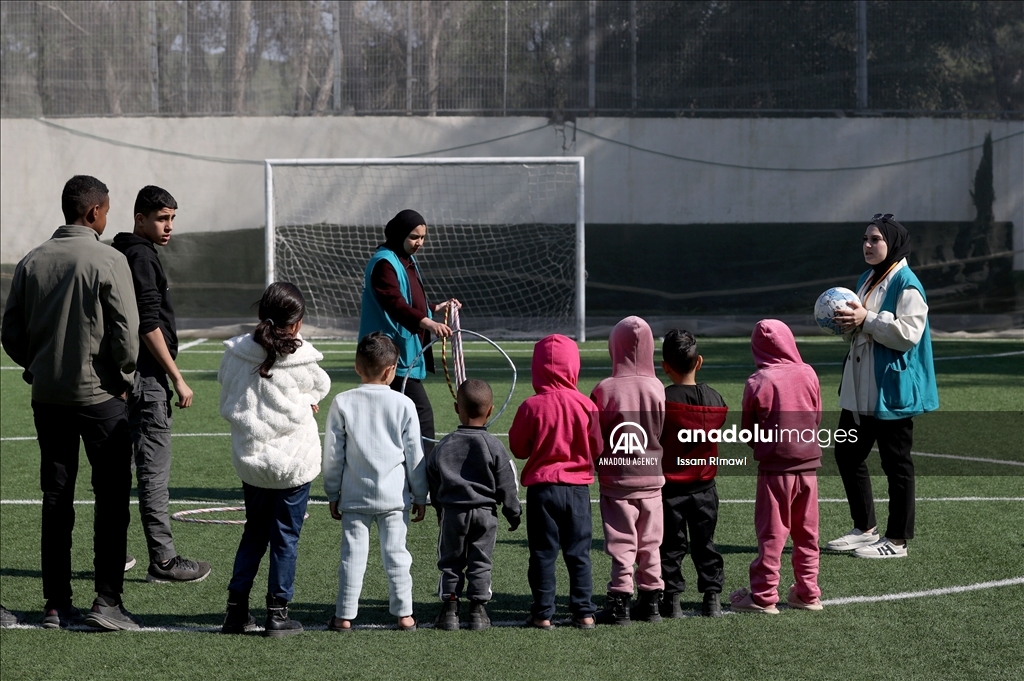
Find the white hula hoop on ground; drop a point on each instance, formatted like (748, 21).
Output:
(187, 516)
(497, 347)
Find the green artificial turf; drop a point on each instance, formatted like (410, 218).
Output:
(959, 542)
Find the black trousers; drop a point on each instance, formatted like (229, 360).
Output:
(415, 391)
(895, 439)
(698, 513)
(558, 517)
(108, 445)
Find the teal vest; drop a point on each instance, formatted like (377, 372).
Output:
(373, 317)
(905, 380)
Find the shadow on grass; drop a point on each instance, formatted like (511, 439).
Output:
(201, 494)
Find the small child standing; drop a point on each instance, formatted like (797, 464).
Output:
(631, 480)
(372, 460)
(469, 473)
(558, 432)
(783, 394)
(275, 445)
(690, 497)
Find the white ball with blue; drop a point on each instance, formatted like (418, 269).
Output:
(827, 304)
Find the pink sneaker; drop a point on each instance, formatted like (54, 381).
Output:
(743, 601)
(796, 603)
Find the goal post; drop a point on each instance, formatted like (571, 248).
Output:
(504, 235)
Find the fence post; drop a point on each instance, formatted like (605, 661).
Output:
(862, 54)
(592, 57)
(154, 64)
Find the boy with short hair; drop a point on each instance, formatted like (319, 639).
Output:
(71, 322)
(558, 432)
(689, 497)
(149, 401)
(372, 459)
(469, 472)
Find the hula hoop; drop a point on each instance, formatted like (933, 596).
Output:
(515, 373)
(186, 516)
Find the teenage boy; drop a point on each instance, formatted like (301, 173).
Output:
(149, 403)
(71, 322)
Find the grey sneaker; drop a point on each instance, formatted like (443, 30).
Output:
(852, 540)
(178, 569)
(61, 617)
(8, 618)
(111, 618)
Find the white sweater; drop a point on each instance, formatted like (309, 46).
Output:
(902, 331)
(275, 443)
(372, 451)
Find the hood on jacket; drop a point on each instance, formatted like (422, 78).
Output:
(772, 342)
(556, 364)
(248, 349)
(125, 240)
(631, 345)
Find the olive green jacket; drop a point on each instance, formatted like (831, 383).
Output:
(71, 319)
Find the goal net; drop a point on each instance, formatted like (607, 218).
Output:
(504, 236)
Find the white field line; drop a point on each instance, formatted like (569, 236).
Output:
(831, 602)
(320, 502)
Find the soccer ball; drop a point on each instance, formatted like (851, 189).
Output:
(827, 304)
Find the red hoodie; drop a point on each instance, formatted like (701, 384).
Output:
(557, 430)
(783, 398)
(692, 417)
(632, 394)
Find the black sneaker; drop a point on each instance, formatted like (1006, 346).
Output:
(178, 569)
(712, 607)
(448, 618)
(670, 606)
(8, 618)
(111, 618)
(61, 617)
(129, 562)
(478, 618)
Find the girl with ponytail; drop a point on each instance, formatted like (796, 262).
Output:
(271, 385)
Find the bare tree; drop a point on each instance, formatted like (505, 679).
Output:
(234, 67)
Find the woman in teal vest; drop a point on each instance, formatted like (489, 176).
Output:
(395, 302)
(888, 378)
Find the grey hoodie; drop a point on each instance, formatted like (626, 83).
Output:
(71, 319)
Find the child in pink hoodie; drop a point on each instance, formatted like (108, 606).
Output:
(782, 399)
(632, 404)
(557, 431)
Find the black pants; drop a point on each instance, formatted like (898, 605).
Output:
(698, 513)
(108, 445)
(895, 439)
(558, 518)
(465, 546)
(415, 391)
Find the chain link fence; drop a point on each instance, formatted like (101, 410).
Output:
(553, 58)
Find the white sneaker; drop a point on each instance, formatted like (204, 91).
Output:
(854, 539)
(883, 548)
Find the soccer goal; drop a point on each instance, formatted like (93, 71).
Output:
(504, 236)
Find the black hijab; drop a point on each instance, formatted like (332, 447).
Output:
(399, 227)
(896, 238)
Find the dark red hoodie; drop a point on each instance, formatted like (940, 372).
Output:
(709, 414)
(557, 430)
(783, 398)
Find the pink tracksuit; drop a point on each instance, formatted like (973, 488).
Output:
(783, 395)
(629, 472)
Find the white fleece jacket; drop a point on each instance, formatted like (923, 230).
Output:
(275, 443)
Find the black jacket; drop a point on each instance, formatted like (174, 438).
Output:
(152, 296)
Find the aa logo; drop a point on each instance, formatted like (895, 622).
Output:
(628, 438)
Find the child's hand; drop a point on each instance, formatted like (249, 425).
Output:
(316, 408)
(335, 513)
(419, 511)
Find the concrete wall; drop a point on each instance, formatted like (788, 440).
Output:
(624, 185)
